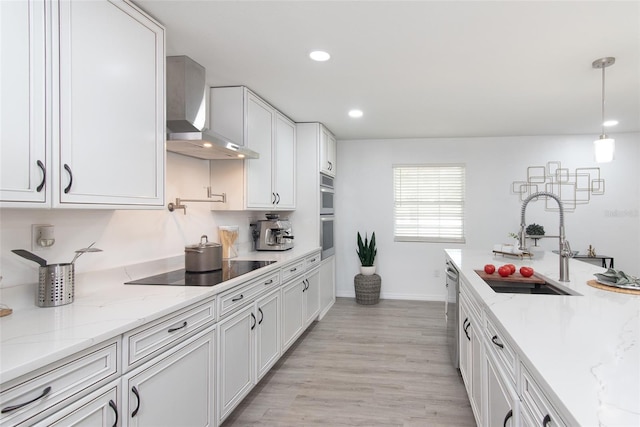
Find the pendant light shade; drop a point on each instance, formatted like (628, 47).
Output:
(604, 147)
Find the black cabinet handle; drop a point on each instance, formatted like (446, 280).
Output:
(254, 321)
(312, 260)
(274, 198)
(237, 299)
(44, 176)
(21, 405)
(115, 411)
(466, 329)
(546, 420)
(184, 325)
(68, 169)
(261, 316)
(293, 269)
(330, 165)
(134, 390)
(506, 418)
(494, 340)
(268, 282)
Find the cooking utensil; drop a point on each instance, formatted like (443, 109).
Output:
(204, 256)
(85, 250)
(31, 257)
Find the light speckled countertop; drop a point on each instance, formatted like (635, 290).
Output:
(103, 307)
(583, 349)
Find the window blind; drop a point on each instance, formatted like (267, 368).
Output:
(429, 203)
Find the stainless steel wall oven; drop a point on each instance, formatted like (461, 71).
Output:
(326, 235)
(327, 194)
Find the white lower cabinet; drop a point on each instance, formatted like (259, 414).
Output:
(471, 357)
(174, 389)
(327, 285)
(249, 345)
(99, 409)
(300, 306)
(268, 332)
(501, 397)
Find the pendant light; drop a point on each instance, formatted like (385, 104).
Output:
(604, 146)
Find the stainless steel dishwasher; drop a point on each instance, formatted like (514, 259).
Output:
(451, 312)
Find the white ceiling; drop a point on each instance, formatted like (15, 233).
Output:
(421, 68)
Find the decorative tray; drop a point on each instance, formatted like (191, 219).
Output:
(511, 254)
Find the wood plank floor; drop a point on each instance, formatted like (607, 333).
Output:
(378, 365)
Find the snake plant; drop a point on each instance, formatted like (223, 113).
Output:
(367, 250)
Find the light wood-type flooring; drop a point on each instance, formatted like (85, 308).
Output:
(376, 365)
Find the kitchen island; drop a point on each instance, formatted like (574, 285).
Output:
(581, 350)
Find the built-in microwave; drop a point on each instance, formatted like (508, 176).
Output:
(327, 195)
(326, 236)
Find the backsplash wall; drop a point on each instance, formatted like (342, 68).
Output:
(125, 236)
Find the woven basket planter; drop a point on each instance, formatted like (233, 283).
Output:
(367, 289)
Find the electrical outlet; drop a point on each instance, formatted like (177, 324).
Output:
(42, 237)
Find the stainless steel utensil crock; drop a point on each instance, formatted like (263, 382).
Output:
(204, 256)
(56, 285)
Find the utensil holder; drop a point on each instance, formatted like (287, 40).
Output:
(56, 285)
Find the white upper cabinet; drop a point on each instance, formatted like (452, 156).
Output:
(327, 152)
(105, 103)
(23, 164)
(111, 105)
(266, 183)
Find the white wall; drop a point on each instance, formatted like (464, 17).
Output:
(364, 202)
(125, 236)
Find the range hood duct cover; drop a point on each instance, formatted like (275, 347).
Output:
(186, 115)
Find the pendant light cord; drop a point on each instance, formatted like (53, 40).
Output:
(602, 122)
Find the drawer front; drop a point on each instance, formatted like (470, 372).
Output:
(313, 261)
(293, 270)
(502, 348)
(473, 302)
(63, 382)
(238, 297)
(537, 402)
(151, 339)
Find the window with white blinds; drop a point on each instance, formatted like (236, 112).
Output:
(429, 202)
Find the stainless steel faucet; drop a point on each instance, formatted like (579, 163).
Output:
(564, 247)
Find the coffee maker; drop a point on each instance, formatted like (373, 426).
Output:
(272, 234)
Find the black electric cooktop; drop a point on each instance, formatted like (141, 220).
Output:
(230, 270)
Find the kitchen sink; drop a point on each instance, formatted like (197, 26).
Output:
(520, 287)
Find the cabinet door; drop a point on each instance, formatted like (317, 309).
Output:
(332, 154)
(325, 163)
(501, 398)
(312, 297)
(476, 355)
(22, 104)
(259, 136)
(99, 409)
(268, 332)
(236, 360)
(176, 389)
(464, 340)
(327, 285)
(111, 105)
(284, 166)
(292, 312)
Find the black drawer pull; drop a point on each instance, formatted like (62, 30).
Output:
(135, 411)
(237, 299)
(184, 325)
(115, 411)
(261, 316)
(546, 421)
(268, 282)
(21, 405)
(293, 269)
(44, 176)
(254, 321)
(494, 340)
(506, 418)
(68, 169)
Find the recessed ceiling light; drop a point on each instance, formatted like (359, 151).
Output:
(609, 123)
(355, 113)
(319, 55)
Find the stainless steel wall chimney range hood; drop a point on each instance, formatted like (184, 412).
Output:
(186, 113)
